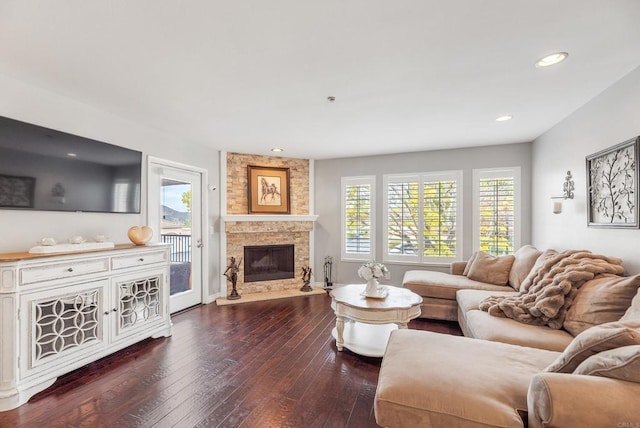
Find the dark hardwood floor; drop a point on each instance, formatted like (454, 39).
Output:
(263, 364)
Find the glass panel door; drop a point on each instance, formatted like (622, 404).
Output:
(175, 208)
(175, 229)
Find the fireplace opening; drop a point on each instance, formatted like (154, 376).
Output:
(268, 262)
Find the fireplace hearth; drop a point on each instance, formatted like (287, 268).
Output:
(268, 262)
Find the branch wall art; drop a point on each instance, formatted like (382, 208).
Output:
(612, 186)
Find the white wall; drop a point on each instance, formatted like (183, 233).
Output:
(19, 230)
(610, 118)
(327, 197)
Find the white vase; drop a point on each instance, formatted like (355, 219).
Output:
(372, 287)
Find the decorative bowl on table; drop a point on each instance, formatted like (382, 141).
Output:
(381, 292)
(47, 242)
(77, 239)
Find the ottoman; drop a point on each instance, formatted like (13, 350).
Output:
(436, 380)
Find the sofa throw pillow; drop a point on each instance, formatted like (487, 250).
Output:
(600, 300)
(469, 263)
(634, 310)
(491, 269)
(594, 340)
(540, 261)
(524, 260)
(620, 363)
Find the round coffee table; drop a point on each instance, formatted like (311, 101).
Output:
(371, 320)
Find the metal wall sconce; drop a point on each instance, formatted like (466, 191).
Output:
(567, 193)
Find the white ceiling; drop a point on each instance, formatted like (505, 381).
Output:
(248, 75)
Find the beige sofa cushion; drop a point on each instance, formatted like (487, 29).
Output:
(442, 285)
(524, 260)
(634, 310)
(600, 300)
(470, 299)
(481, 325)
(544, 257)
(437, 380)
(620, 363)
(596, 339)
(491, 269)
(465, 272)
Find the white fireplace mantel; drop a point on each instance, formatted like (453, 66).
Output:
(268, 217)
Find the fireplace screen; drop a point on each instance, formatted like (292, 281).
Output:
(268, 262)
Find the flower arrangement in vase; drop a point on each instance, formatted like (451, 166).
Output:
(372, 272)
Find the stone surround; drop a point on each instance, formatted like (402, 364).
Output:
(237, 201)
(293, 229)
(296, 233)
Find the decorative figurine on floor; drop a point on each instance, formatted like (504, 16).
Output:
(328, 265)
(306, 277)
(232, 275)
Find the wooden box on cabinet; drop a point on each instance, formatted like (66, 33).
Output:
(60, 312)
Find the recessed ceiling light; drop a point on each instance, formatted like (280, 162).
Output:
(277, 149)
(72, 155)
(552, 59)
(504, 118)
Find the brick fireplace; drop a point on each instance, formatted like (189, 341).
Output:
(240, 229)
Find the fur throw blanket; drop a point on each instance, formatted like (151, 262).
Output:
(552, 286)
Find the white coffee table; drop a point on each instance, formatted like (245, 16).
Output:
(370, 321)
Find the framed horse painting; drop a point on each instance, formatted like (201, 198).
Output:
(268, 190)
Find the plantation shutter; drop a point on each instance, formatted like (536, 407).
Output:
(422, 211)
(358, 217)
(497, 216)
(440, 217)
(403, 222)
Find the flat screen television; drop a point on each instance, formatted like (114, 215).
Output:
(49, 170)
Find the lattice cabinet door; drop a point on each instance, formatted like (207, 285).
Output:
(65, 324)
(139, 301)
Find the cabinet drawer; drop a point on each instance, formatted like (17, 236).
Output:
(31, 275)
(123, 262)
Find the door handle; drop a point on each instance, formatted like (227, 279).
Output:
(199, 243)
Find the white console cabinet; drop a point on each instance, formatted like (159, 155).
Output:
(60, 312)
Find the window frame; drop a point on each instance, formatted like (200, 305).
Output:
(491, 173)
(354, 181)
(421, 178)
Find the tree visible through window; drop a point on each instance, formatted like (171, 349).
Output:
(358, 203)
(496, 213)
(422, 213)
(440, 217)
(403, 228)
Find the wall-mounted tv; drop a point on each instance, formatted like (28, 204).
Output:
(49, 170)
